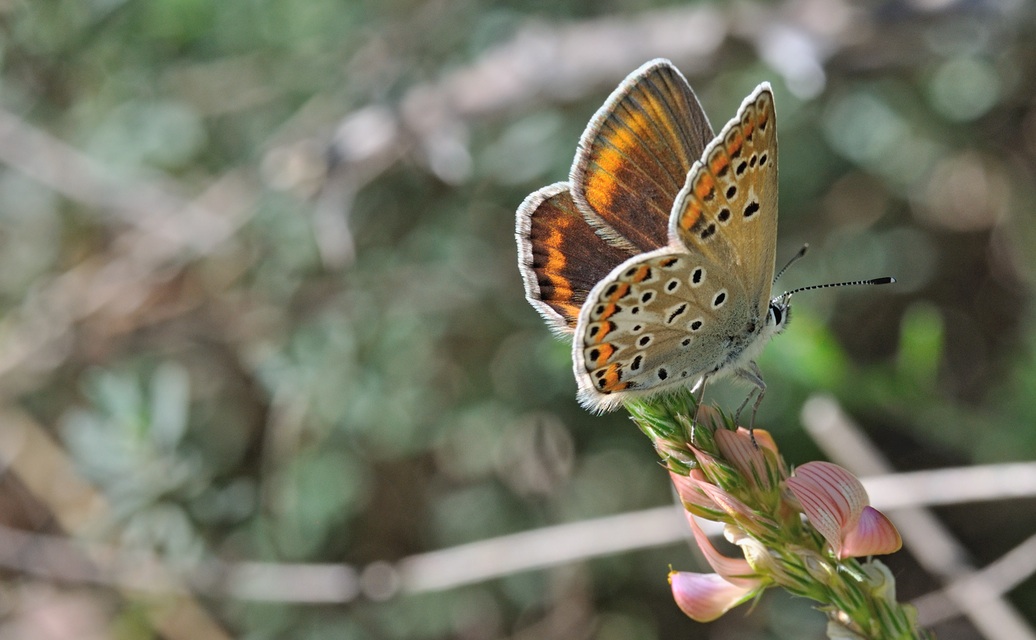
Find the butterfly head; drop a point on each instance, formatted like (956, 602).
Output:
(778, 315)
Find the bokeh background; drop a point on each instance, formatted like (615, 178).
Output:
(263, 340)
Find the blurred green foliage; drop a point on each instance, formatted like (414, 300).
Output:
(259, 400)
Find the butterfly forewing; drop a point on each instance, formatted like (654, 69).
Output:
(727, 211)
(634, 156)
(560, 256)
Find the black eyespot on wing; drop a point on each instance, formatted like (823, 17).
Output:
(751, 209)
(731, 191)
(686, 342)
(696, 325)
(708, 231)
(724, 214)
(676, 312)
(662, 374)
(762, 159)
(648, 295)
(697, 276)
(672, 285)
(635, 365)
(741, 167)
(720, 298)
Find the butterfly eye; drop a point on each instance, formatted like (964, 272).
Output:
(777, 314)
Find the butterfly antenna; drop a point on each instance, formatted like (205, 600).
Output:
(795, 258)
(851, 283)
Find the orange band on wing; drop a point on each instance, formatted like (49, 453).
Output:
(719, 164)
(705, 188)
(735, 144)
(690, 216)
(601, 186)
(599, 330)
(643, 271)
(611, 380)
(604, 353)
(556, 261)
(621, 289)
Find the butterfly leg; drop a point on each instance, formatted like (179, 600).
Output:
(755, 376)
(699, 394)
(699, 390)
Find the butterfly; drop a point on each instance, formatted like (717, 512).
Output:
(657, 256)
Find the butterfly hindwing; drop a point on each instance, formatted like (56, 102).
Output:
(634, 156)
(560, 256)
(659, 320)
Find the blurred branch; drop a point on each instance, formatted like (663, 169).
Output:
(57, 558)
(430, 122)
(558, 63)
(149, 204)
(164, 231)
(1001, 576)
(968, 591)
(28, 452)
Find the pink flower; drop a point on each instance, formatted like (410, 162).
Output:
(836, 503)
(693, 496)
(706, 596)
(747, 455)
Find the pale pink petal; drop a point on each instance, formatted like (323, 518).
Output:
(764, 439)
(709, 416)
(670, 451)
(873, 535)
(738, 449)
(831, 497)
(731, 505)
(711, 467)
(691, 495)
(705, 596)
(734, 570)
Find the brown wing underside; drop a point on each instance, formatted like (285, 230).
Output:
(634, 156)
(561, 256)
